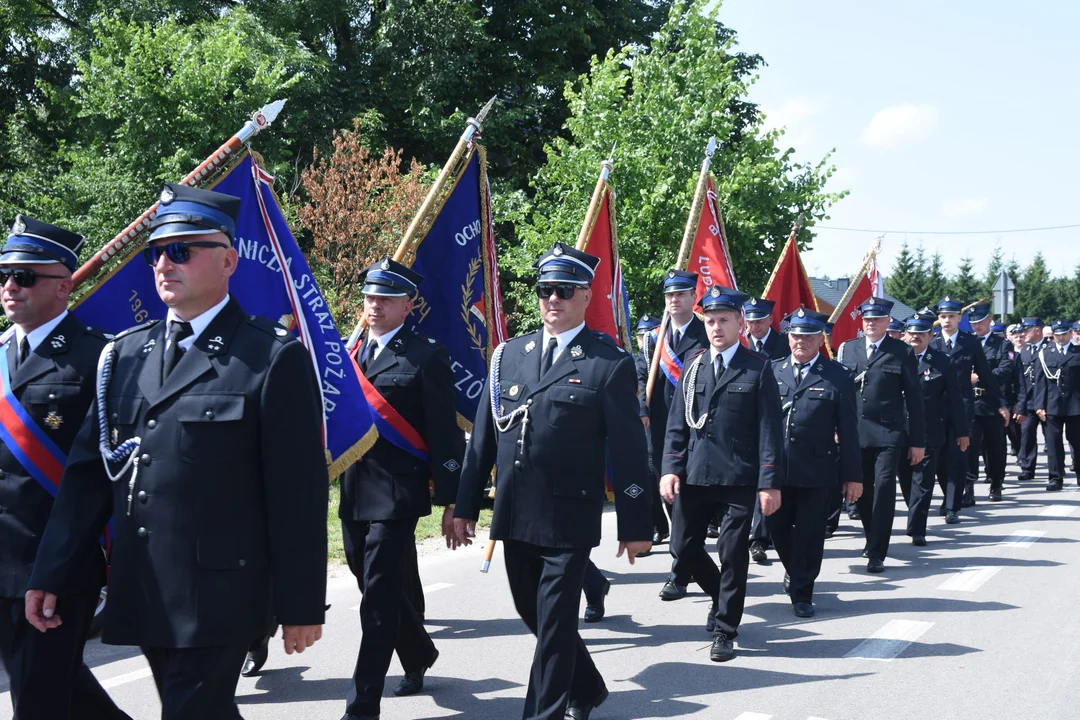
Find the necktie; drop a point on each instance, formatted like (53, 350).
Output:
(758, 345)
(870, 352)
(799, 368)
(24, 350)
(718, 367)
(368, 353)
(676, 336)
(178, 330)
(948, 346)
(549, 355)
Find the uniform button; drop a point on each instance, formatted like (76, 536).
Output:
(517, 463)
(141, 532)
(52, 396)
(142, 495)
(145, 459)
(529, 401)
(571, 396)
(792, 439)
(209, 414)
(582, 492)
(151, 424)
(115, 417)
(243, 562)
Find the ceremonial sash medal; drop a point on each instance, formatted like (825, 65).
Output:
(394, 428)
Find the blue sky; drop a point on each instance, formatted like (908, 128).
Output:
(946, 116)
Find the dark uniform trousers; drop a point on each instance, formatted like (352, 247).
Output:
(917, 486)
(722, 465)
(775, 347)
(550, 499)
(382, 497)
(1059, 396)
(987, 441)
(1028, 454)
(889, 398)
(48, 679)
(1058, 429)
(947, 468)
(226, 528)
(1029, 443)
(593, 584)
(821, 454)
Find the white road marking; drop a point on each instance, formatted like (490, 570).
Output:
(1022, 538)
(969, 579)
(1058, 511)
(428, 589)
(126, 678)
(891, 640)
(754, 716)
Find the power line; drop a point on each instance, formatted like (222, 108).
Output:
(946, 232)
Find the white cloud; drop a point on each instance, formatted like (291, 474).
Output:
(895, 125)
(967, 206)
(792, 117)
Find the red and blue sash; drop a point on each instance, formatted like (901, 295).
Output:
(391, 425)
(670, 364)
(26, 439)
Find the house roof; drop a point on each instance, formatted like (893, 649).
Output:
(832, 291)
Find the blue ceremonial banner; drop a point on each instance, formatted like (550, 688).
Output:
(459, 297)
(127, 297)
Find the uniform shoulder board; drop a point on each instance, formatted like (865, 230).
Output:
(698, 353)
(133, 330)
(606, 338)
(270, 328)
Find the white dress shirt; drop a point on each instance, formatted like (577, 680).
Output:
(198, 323)
(380, 341)
(37, 336)
(563, 339)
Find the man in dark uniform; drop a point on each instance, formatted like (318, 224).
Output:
(556, 399)
(820, 453)
(774, 346)
(646, 343)
(943, 407)
(387, 491)
(686, 334)
(896, 329)
(722, 451)
(47, 363)
(887, 388)
(1014, 336)
(988, 426)
(969, 364)
(1029, 426)
(1056, 399)
(211, 424)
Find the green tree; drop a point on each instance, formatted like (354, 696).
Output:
(964, 286)
(993, 268)
(936, 285)
(1070, 302)
(661, 103)
(1035, 293)
(905, 282)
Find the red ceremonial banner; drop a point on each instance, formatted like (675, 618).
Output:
(709, 256)
(603, 311)
(789, 285)
(849, 319)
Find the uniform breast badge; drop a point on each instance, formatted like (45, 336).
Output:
(576, 352)
(529, 346)
(513, 392)
(54, 420)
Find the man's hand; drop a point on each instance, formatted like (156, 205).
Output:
(645, 422)
(974, 378)
(299, 638)
(1041, 414)
(669, 488)
(916, 455)
(464, 530)
(770, 501)
(963, 442)
(1019, 418)
(448, 528)
(633, 549)
(1004, 413)
(853, 491)
(41, 610)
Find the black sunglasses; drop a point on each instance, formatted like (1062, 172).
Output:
(25, 277)
(563, 291)
(178, 252)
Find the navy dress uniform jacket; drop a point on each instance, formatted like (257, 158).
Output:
(739, 444)
(413, 373)
(821, 432)
(1029, 363)
(56, 381)
(1059, 397)
(887, 393)
(776, 345)
(1002, 360)
(967, 356)
(942, 402)
(227, 527)
(550, 489)
(693, 341)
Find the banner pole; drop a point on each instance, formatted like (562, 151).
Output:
(258, 122)
(680, 260)
(587, 224)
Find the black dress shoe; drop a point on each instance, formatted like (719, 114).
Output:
(594, 612)
(413, 682)
(854, 514)
(1025, 476)
(942, 511)
(952, 519)
(865, 552)
(757, 552)
(581, 711)
(787, 583)
(659, 538)
(995, 494)
(723, 649)
(712, 531)
(875, 565)
(672, 591)
(1054, 485)
(256, 658)
(968, 498)
(918, 540)
(710, 621)
(829, 532)
(803, 609)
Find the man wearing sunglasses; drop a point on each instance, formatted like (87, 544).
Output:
(206, 450)
(47, 363)
(556, 400)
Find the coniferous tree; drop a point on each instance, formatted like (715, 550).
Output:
(935, 283)
(965, 287)
(993, 269)
(1035, 291)
(905, 282)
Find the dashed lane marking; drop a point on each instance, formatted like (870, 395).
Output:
(891, 640)
(969, 579)
(1058, 511)
(1022, 539)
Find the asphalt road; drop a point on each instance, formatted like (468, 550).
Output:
(981, 624)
